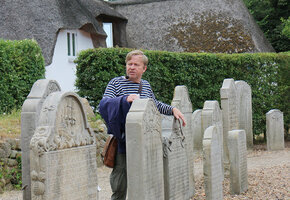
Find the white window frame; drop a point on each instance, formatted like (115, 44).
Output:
(71, 44)
(108, 28)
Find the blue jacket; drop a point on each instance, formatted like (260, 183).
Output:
(114, 112)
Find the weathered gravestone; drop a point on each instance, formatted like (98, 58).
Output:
(212, 166)
(230, 115)
(238, 161)
(144, 151)
(244, 102)
(63, 151)
(211, 115)
(275, 130)
(29, 121)
(182, 101)
(175, 161)
(196, 130)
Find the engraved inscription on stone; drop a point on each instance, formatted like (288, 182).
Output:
(275, 130)
(144, 151)
(238, 161)
(29, 121)
(212, 167)
(62, 151)
(182, 101)
(174, 160)
(244, 105)
(229, 113)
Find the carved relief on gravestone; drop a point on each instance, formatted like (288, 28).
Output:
(144, 151)
(244, 102)
(182, 101)
(63, 151)
(230, 115)
(212, 166)
(196, 130)
(275, 130)
(176, 182)
(238, 161)
(211, 115)
(29, 120)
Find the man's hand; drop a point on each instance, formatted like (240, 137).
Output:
(178, 115)
(132, 97)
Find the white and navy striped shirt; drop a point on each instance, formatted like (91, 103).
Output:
(121, 86)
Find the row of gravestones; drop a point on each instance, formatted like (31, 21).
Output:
(57, 144)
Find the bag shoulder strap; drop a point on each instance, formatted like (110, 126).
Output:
(140, 87)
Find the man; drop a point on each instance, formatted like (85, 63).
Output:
(116, 102)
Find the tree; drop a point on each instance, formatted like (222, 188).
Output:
(273, 18)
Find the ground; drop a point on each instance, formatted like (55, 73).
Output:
(268, 177)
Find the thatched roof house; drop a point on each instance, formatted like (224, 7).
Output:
(192, 26)
(42, 20)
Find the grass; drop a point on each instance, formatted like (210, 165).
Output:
(10, 126)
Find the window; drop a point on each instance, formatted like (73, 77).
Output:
(71, 43)
(108, 28)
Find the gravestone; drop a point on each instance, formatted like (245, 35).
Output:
(211, 115)
(63, 151)
(230, 115)
(175, 161)
(238, 161)
(144, 151)
(196, 130)
(275, 130)
(29, 121)
(244, 102)
(182, 101)
(212, 166)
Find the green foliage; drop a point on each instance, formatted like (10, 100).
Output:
(21, 64)
(202, 73)
(12, 173)
(286, 27)
(268, 14)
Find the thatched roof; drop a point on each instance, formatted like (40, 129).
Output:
(41, 20)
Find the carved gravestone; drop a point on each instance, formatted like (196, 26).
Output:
(275, 130)
(144, 151)
(182, 101)
(175, 161)
(244, 102)
(230, 115)
(211, 115)
(196, 130)
(29, 121)
(238, 161)
(63, 151)
(212, 166)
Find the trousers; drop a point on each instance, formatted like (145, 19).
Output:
(118, 178)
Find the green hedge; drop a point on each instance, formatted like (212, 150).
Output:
(202, 73)
(21, 64)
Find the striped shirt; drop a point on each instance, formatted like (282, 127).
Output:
(121, 86)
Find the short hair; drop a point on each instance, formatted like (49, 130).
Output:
(135, 53)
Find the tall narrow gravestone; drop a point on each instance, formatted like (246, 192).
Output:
(144, 151)
(63, 151)
(212, 166)
(238, 161)
(29, 120)
(196, 130)
(244, 102)
(175, 160)
(211, 115)
(230, 115)
(182, 101)
(275, 130)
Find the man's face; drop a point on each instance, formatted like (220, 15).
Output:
(135, 68)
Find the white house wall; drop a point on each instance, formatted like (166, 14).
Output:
(62, 69)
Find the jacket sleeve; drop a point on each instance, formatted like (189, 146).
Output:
(114, 112)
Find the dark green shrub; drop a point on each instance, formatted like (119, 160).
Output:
(202, 73)
(21, 64)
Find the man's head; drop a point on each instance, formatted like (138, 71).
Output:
(136, 65)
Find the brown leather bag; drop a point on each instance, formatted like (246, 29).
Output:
(109, 151)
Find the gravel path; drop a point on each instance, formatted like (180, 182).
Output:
(268, 177)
